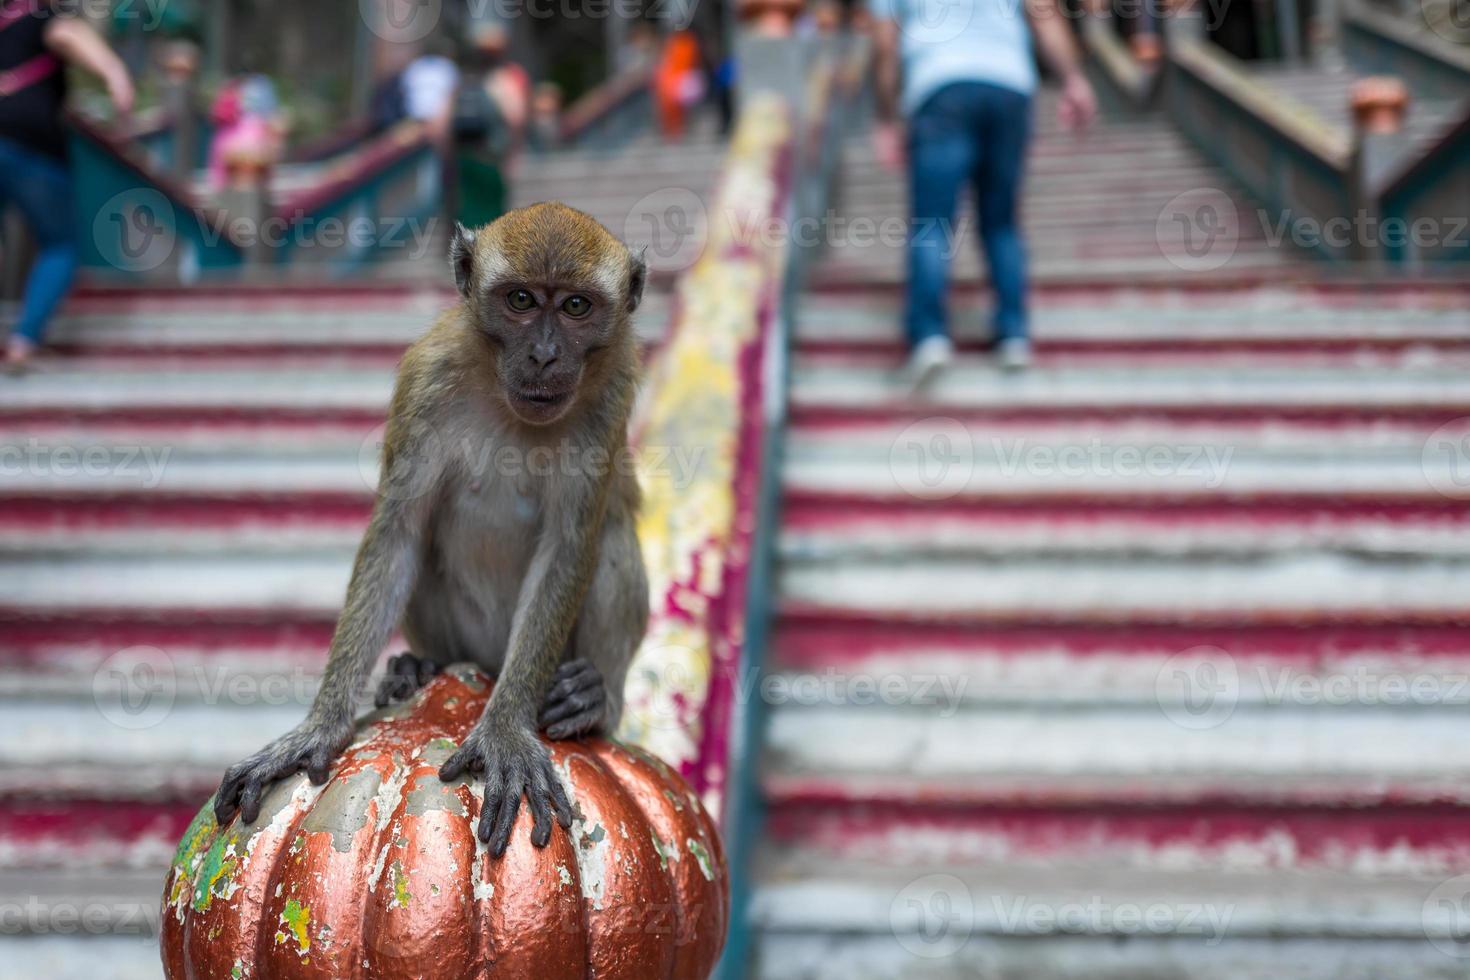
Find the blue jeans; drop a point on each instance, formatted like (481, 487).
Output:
(967, 131)
(41, 187)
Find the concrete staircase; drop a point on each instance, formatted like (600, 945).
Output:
(1150, 661)
(183, 488)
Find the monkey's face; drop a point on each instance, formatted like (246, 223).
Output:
(546, 333)
(552, 290)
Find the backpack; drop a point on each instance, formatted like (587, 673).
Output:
(477, 121)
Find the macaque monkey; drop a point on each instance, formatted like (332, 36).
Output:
(531, 571)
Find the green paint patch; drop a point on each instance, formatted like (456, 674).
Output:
(295, 917)
(238, 970)
(701, 856)
(401, 894)
(665, 851)
(674, 800)
(197, 838)
(217, 873)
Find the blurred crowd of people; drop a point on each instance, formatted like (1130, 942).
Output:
(964, 99)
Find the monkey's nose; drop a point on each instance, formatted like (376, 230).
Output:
(544, 355)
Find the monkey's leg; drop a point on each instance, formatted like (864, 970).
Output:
(405, 675)
(577, 701)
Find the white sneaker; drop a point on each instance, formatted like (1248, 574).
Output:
(1014, 354)
(928, 358)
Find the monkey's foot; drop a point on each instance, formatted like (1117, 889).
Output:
(512, 761)
(577, 701)
(406, 674)
(308, 747)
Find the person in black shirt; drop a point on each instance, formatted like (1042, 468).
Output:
(35, 46)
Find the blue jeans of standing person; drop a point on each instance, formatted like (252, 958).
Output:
(40, 186)
(977, 133)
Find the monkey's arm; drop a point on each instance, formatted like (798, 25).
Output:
(383, 576)
(503, 745)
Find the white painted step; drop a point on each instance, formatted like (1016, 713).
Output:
(161, 469)
(308, 582)
(87, 957)
(1167, 753)
(839, 955)
(1082, 534)
(994, 899)
(979, 383)
(906, 469)
(137, 748)
(207, 386)
(1253, 314)
(1098, 588)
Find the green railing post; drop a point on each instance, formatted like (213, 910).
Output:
(180, 63)
(1378, 106)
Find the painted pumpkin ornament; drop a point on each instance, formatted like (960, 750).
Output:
(378, 874)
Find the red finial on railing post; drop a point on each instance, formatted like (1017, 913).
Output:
(770, 18)
(1147, 48)
(1379, 105)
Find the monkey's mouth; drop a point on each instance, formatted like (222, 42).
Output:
(541, 404)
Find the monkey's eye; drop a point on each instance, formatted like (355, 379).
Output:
(577, 306)
(520, 300)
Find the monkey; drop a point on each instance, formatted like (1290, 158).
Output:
(532, 572)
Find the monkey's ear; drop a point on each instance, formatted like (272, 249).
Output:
(462, 257)
(637, 278)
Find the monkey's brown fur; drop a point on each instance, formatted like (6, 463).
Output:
(503, 530)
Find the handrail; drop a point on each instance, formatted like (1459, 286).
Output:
(603, 101)
(360, 167)
(1137, 83)
(705, 391)
(328, 145)
(829, 97)
(1287, 118)
(1287, 156)
(127, 155)
(219, 240)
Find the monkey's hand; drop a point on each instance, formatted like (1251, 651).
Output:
(512, 761)
(311, 747)
(576, 703)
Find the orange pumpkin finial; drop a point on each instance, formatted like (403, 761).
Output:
(378, 873)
